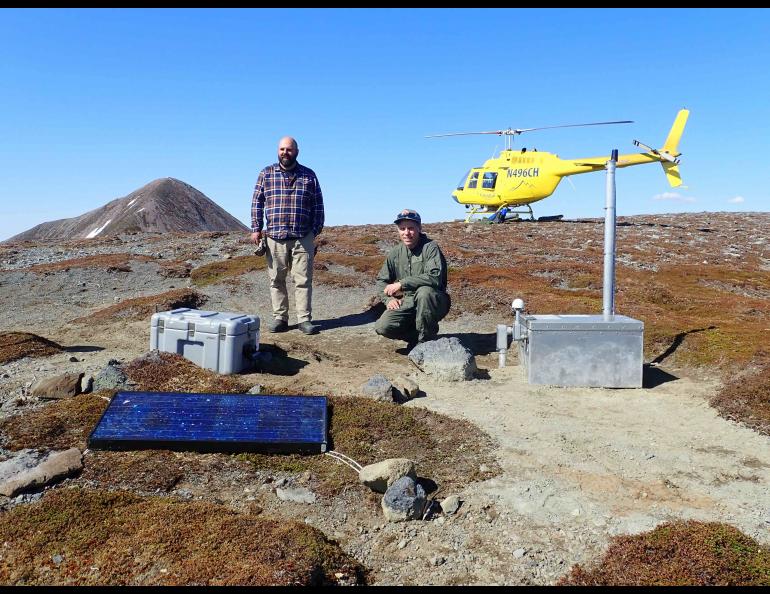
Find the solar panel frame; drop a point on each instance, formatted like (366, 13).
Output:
(213, 423)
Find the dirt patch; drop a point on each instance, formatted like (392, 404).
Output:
(16, 345)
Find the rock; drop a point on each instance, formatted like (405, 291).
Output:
(446, 359)
(406, 386)
(519, 553)
(296, 494)
(404, 500)
(378, 388)
(378, 477)
(256, 389)
(66, 385)
(450, 505)
(87, 384)
(112, 378)
(29, 469)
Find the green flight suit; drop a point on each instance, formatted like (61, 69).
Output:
(422, 273)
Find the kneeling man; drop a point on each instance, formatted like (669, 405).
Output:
(412, 284)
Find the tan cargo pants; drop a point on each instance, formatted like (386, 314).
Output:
(295, 255)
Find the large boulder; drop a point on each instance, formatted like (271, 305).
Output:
(446, 359)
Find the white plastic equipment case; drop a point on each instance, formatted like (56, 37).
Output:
(220, 341)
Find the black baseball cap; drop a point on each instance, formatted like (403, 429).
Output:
(408, 215)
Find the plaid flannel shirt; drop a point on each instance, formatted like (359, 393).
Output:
(290, 202)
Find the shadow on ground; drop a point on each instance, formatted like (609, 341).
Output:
(280, 362)
(82, 349)
(653, 377)
(357, 319)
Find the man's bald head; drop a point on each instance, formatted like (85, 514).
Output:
(287, 152)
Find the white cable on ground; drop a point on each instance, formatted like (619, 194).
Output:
(345, 460)
(355, 464)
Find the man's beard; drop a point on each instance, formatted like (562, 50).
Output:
(287, 162)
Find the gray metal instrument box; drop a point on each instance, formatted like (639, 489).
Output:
(214, 340)
(582, 350)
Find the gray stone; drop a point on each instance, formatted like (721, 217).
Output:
(296, 494)
(378, 477)
(404, 500)
(450, 505)
(58, 387)
(378, 388)
(256, 389)
(446, 359)
(519, 553)
(112, 378)
(29, 469)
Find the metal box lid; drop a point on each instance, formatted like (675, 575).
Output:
(213, 322)
(584, 323)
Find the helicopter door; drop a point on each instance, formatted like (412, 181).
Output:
(489, 180)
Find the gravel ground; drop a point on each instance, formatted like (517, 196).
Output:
(578, 465)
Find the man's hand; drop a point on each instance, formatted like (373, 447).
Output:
(393, 289)
(256, 237)
(394, 304)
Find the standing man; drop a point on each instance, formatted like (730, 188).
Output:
(412, 284)
(289, 197)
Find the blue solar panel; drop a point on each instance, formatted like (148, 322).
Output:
(212, 422)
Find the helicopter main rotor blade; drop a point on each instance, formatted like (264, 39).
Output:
(520, 130)
(515, 131)
(498, 132)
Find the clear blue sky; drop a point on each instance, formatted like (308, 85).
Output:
(97, 103)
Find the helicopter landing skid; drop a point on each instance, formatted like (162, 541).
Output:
(501, 214)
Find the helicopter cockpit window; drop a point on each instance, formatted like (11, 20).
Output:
(461, 183)
(474, 180)
(490, 178)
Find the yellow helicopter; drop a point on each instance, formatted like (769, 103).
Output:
(517, 178)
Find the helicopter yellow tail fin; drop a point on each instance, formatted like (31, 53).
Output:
(672, 173)
(672, 142)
